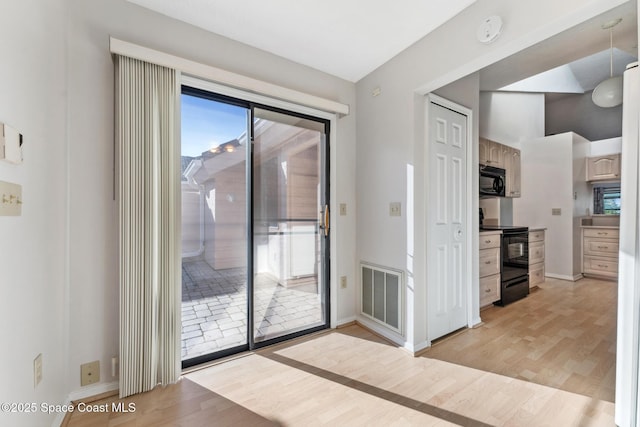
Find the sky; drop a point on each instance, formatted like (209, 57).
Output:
(207, 124)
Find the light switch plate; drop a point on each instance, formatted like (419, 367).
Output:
(556, 211)
(10, 199)
(343, 209)
(395, 209)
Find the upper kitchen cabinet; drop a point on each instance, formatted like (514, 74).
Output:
(490, 153)
(498, 155)
(603, 168)
(511, 160)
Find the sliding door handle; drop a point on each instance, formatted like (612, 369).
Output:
(325, 220)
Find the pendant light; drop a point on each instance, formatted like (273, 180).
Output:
(609, 92)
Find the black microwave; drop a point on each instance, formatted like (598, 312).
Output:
(492, 181)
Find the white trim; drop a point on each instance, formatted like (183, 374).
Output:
(472, 319)
(348, 320)
(334, 255)
(93, 390)
(225, 77)
(83, 393)
(383, 331)
(628, 334)
(563, 277)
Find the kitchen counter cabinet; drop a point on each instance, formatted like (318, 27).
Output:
(600, 247)
(489, 267)
(536, 257)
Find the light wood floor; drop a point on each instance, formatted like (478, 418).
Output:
(562, 335)
(497, 375)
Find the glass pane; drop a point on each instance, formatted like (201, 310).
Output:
(288, 190)
(214, 231)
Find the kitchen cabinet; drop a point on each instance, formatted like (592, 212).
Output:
(490, 153)
(490, 264)
(511, 161)
(600, 251)
(536, 257)
(502, 156)
(603, 168)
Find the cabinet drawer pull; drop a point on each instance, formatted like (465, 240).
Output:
(603, 247)
(603, 266)
(602, 233)
(487, 241)
(487, 262)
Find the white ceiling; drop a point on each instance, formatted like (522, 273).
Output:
(345, 38)
(579, 76)
(583, 51)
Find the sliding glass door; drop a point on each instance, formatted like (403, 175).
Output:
(289, 243)
(254, 209)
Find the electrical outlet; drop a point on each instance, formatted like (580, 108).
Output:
(395, 209)
(90, 373)
(556, 211)
(343, 282)
(37, 370)
(343, 209)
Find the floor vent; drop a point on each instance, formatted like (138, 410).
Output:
(382, 295)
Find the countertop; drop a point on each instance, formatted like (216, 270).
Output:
(537, 228)
(612, 227)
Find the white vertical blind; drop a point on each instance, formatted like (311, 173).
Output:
(147, 97)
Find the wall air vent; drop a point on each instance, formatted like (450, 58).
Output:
(382, 295)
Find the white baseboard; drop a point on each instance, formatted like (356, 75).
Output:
(83, 393)
(563, 277)
(346, 321)
(475, 323)
(93, 390)
(416, 349)
(382, 331)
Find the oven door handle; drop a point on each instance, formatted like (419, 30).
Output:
(516, 281)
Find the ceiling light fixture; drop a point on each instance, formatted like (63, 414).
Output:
(609, 92)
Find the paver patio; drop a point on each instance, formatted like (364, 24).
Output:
(214, 305)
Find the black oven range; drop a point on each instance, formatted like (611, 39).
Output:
(515, 263)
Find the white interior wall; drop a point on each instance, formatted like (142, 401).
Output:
(511, 117)
(33, 307)
(606, 146)
(582, 196)
(93, 237)
(550, 176)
